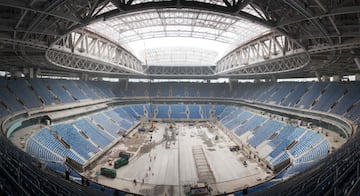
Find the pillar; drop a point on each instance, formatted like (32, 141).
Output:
(31, 72)
(357, 77)
(37, 72)
(127, 84)
(273, 79)
(318, 76)
(25, 71)
(357, 62)
(124, 83)
(325, 78)
(16, 74)
(233, 84)
(337, 78)
(84, 76)
(28, 72)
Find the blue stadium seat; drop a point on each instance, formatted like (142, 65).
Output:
(10, 100)
(178, 90)
(218, 109)
(48, 140)
(98, 136)
(130, 112)
(296, 94)
(136, 90)
(194, 111)
(73, 89)
(279, 159)
(315, 153)
(125, 113)
(42, 91)
(77, 142)
(250, 125)
(35, 149)
(163, 111)
(89, 92)
(331, 94)
(278, 94)
(309, 97)
(354, 112)
(264, 132)
(283, 133)
(206, 111)
(111, 127)
(124, 122)
(178, 111)
(104, 88)
(59, 91)
(289, 139)
(139, 109)
(21, 89)
(193, 89)
(96, 89)
(226, 112)
(308, 140)
(3, 111)
(265, 95)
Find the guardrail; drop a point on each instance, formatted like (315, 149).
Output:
(21, 168)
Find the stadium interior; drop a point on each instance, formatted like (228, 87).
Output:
(179, 97)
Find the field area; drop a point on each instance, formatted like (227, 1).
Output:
(174, 156)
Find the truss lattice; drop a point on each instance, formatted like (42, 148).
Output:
(87, 51)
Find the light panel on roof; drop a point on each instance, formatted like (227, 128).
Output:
(179, 56)
(214, 2)
(157, 24)
(145, 1)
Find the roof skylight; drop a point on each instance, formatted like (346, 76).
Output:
(187, 31)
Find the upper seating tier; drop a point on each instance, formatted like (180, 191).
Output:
(335, 97)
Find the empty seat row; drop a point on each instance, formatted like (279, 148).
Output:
(334, 97)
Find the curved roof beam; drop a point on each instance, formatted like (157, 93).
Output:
(329, 13)
(270, 54)
(171, 22)
(83, 50)
(234, 9)
(309, 14)
(24, 6)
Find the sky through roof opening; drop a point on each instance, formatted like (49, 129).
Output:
(178, 37)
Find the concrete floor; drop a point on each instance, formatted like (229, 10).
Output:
(333, 138)
(164, 159)
(19, 137)
(166, 162)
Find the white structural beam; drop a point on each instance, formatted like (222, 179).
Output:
(87, 49)
(263, 56)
